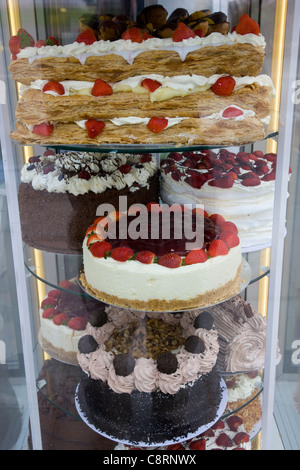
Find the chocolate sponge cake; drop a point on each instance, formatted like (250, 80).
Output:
(59, 194)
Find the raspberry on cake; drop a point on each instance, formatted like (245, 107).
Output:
(171, 277)
(239, 186)
(71, 185)
(138, 361)
(64, 314)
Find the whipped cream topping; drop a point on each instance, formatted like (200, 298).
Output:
(62, 173)
(145, 376)
(243, 387)
(130, 50)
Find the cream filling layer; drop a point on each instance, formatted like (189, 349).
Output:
(133, 280)
(129, 50)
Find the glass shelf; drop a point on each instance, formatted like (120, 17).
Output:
(148, 148)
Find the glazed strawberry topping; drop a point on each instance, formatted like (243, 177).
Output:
(222, 170)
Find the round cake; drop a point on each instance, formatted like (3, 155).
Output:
(160, 272)
(71, 185)
(238, 186)
(149, 378)
(64, 314)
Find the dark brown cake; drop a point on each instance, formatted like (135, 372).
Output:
(56, 220)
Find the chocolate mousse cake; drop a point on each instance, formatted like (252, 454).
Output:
(59, 194)
(149, 378)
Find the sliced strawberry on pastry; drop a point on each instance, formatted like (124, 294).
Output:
(87, 37)
(94, 127)
(100, 249)
(101, 88)
(122, 253)
(133, 35)
(217, 248)
(224, 86)
(157, 125)
(44, 129)
(183, 32)
(150, 85)
(247, 25)
(145, 257)
(195, 257)
(77, 323)
(54, 86)
(232, 112)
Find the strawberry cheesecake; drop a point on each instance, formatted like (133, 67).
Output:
(240, 186)
(190, 88)
(64, 314)
(162, 267)
(149, 378)
(71, 185)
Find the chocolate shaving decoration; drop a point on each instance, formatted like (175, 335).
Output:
(167, 363)
(123, 364)
(194, 345)
(87, 344)
(204, 320)
(98, 319)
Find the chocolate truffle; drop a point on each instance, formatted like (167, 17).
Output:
(98, 319)
(194, 345)
(124, 364)
(87, 344)
(167, 363)
(204, 320)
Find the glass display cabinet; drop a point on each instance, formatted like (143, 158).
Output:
(48, 391)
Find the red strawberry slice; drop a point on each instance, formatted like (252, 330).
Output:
(230, 238)
(87, 36)
(44, 129)
(175, 447)
(60, 318)
(55, 87)
(101, 88)
(100, 249)
(170, 260)
(183, 32)
(247, 25)
(133, 35)
(217, 219)
(146, 158)
(49, 312)
(199, 444)
(224, 86)
(122, 253)
(218, 425)
(145, 257)
(14, 45)
(93, 238)
(217, 248)
(241, 437)
(94, 127)
(26, 39)
(232, 112)
(157, 125)
(223, 182)
(124, 169)
(200, 211)
(223, 440)
(77, 323)
(199, 32)
(250, 179)
(234, 422)
(195, 257)
(150, 85)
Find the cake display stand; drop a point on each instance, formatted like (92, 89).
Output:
(74, 397)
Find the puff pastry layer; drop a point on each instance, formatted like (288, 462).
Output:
(198, 131)
(36, 107)
(236, 60)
